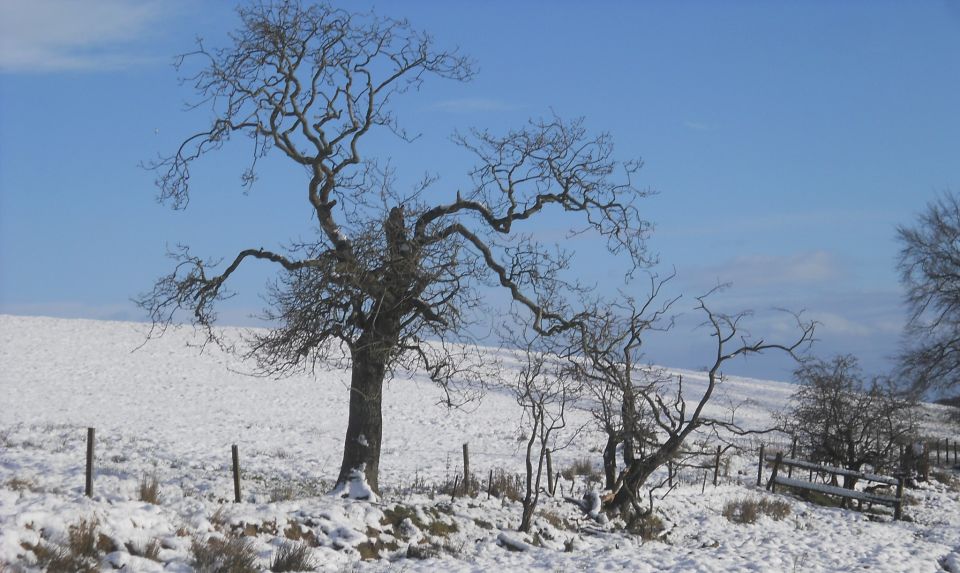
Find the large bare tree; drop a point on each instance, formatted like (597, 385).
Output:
(388, 270)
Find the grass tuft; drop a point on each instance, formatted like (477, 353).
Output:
(149, 490)
(747, 510)
(235, 555)
(295, 556)
(581, 467)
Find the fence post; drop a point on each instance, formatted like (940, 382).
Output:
(89, 474)
(490, 484)
(670, 473)
(235, 451)
(551, 482)
(772, 485)
(466, 470)
(760, 468)
(898, 508)
(938, 451)
(716, 467)
(793, 456)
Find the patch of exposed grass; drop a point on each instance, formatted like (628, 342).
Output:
(440, 528)
(647, 526)
(234, 555)
(395, 516)
(21, 484)
(747, 510)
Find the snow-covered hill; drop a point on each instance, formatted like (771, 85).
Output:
(168, 410)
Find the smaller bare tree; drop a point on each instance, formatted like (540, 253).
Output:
(662, 416)
(842, 420)
(545, 390)
(608, 352)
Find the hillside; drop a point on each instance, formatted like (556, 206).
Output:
(171, 411)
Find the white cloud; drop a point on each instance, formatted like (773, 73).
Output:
(55, 35)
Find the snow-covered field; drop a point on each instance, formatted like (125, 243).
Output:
(169, 411)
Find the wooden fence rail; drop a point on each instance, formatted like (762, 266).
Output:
(859, 496)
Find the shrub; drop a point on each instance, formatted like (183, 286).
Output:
(748, 510)
(293, 557)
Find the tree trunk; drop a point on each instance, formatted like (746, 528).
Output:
(639, 471)
(361, 447)
(628, 414)
(610, 460)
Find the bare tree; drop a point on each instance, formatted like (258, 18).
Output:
(545, 390)
(608, 359)
(387, 270)
(929, 267)
(670, 416)
(842, 420)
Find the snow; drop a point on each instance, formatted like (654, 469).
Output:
(172, 412)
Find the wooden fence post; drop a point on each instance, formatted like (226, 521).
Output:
(89, 474)
(716, 467)
(490, 484)
(466, 470)
(793, 456)
(760, 468)
(898, 508)
(670, 473)
(771, 485)
(235, 451)
(551, 483)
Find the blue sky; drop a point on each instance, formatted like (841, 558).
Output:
(785, 140)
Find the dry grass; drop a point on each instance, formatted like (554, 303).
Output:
(21, 484)
(235, 555)
(295, 556)
(581, 467)
(150, 550)
(149, 490)
(79, 555)
(505, 485)
(648, 526)
(950, 480)
(747, 510)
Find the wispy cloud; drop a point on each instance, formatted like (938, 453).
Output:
(769, 270)
(38, 36)
(473, 105)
